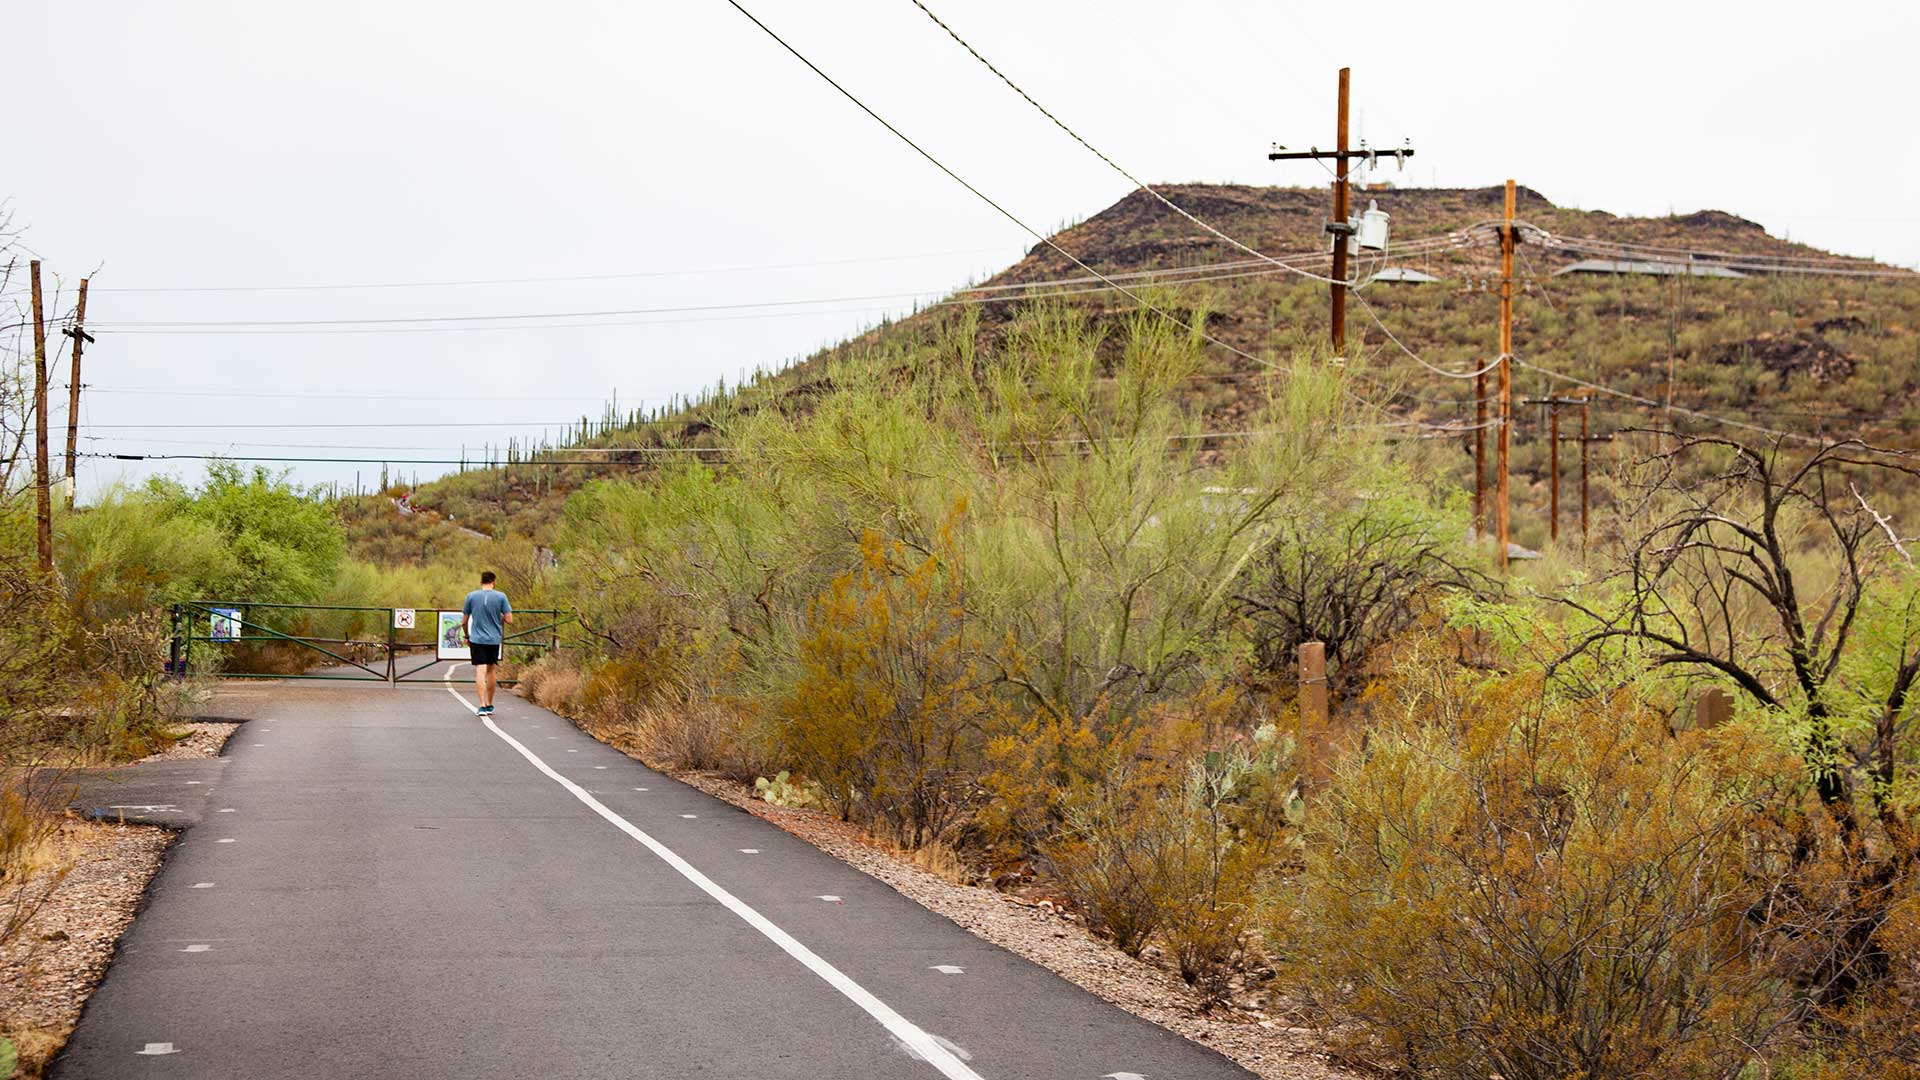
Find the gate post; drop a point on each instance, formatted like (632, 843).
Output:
(173, 644)
(390, 639)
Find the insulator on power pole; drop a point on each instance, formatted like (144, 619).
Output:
(1372, 231)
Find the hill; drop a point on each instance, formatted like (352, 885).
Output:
(1805, 342)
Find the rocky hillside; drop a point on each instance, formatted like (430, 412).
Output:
(1793, 339)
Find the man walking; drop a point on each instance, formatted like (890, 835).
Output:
(483, 622)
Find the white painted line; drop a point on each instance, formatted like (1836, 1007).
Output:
(573, 751)
(259, 744)
(599, 766)
(196, 948)
(191, 783)
(1124, 1076)
(923, 1044)
(749, 851)
(639, 789)
(226, 809)
(224, 840)
(203, 884)
(689, 815)
(828, 899)
(156, 1049)
(948, 969)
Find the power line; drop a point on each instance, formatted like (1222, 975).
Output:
(982, 196)
(477, 425)
(1095, 151)
(607, 313)
(1014, 294)
(329, 287)
(210, 392)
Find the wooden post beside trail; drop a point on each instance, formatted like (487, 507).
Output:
(79, 334)
(1712, 708)
(1312, 751)
(1584, 438)
(42, 495)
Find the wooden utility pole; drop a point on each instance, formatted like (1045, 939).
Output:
(1584, 440)
(1506, 372)
(1480, 454)
(42, 497)
(1553, 405)
(1339, 227)
(79, 334)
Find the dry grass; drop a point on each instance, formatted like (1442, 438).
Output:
(939, 858)
(32, 860)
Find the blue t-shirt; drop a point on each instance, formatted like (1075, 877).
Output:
(486, 611)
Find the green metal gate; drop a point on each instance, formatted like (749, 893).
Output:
(369, 644)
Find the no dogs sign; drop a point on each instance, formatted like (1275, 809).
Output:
(403, 618)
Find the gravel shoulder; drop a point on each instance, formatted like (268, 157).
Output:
(201, 739)
(1271, 1046)
(49, 969)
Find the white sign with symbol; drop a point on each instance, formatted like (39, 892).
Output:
(403, 618)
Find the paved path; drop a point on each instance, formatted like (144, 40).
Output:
(382, 884)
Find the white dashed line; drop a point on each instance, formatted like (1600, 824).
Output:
(203, 884)
(923, 1044)
(196, 948)
(599, 766)
(828, 899)
(226, 809)
(224, 840)
(749, 851)
(689, 815)
(948, 969)
(639, 789)
(156, 1049)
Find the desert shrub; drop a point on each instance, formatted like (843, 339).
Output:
(1352, 577)
(554, 683)
(127, 702)
(1171, 843)
(1546, 889)
(29, 866)
(672, 724)
(889, 713)
(1109, 857)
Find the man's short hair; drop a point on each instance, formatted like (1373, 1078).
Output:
(486, 577)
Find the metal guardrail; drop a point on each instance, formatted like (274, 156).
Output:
(235, 623)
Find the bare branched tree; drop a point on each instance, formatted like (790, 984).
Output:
(1351, 583)
(1759, 573)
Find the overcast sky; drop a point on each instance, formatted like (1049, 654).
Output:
(202, 146)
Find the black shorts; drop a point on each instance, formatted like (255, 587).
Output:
(483, 655)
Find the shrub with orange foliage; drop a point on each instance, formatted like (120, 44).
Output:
(1538, 889)
(889, 712)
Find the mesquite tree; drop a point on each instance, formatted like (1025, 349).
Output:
(1774, 571)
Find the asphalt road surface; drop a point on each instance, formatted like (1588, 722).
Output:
(378, 883)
